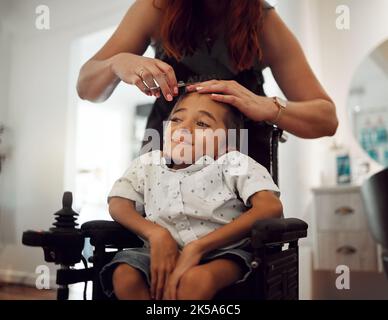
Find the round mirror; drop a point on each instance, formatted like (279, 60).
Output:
(368, 104)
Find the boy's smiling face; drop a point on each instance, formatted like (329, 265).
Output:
(196, 128)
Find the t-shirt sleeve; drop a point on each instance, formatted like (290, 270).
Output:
(131, 184)
(247, 176)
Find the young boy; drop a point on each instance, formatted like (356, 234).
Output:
(193, 204)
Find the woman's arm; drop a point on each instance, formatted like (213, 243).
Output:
(121, 57)
(264, 205)
(310, 112)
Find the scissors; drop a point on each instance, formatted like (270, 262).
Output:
(181, 84)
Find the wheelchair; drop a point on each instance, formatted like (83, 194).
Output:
(274, 245)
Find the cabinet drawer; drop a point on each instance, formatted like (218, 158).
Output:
(344, 211)
(356, 250)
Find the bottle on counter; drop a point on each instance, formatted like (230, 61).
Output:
(343, 166)
(381, 132)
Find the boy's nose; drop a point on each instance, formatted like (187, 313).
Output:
(184, 131)
(183, 134)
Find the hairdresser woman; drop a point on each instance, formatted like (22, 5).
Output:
(200, 39)
(229, 40)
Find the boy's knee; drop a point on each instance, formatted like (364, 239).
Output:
(125, 278)
(196, 283)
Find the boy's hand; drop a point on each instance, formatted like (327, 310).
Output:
(164, 255)
(190, 256)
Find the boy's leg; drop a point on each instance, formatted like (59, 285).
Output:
(129, 283)
(203, 281)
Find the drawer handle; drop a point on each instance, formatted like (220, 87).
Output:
(346, 250)
(343, 211)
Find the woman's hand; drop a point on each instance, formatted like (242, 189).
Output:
(134, 69)
(189, 257)
(231, 92)
(164, 255)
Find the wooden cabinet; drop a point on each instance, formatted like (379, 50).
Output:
(340, 228)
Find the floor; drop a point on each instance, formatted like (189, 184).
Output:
(18, 292)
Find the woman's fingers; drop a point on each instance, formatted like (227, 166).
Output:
(150, 75)
(148, 78)
(159, 76)
(161, 79)
(228, 99)
(221, 87)
(138, 82)
(194, 86)
(229, 92)
(170, 76)
(214, 86)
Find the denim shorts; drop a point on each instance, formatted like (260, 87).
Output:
(139, 258)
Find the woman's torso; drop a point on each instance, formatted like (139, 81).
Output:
(211, 61)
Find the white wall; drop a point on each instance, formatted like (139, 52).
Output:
(4, 58)
(5, 38)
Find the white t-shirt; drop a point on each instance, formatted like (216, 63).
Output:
(196, 200)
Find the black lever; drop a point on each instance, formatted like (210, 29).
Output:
(62, 244)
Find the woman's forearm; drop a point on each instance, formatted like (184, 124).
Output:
(307, 119)
(123, 212)
(97, 80)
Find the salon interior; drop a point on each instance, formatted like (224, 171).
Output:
(51, 141)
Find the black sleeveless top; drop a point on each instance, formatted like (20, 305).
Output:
(212, 62)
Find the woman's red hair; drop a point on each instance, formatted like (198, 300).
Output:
(182, 22)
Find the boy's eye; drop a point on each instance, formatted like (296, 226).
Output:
(202, 124)
(174, 119)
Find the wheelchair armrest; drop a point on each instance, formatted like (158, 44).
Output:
(277, 231)
(109, 233)
(267, 231)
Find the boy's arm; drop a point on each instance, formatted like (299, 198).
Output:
(164, 249)
(265, 204)
(123, 211)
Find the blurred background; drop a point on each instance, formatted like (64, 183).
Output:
(52, 141)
